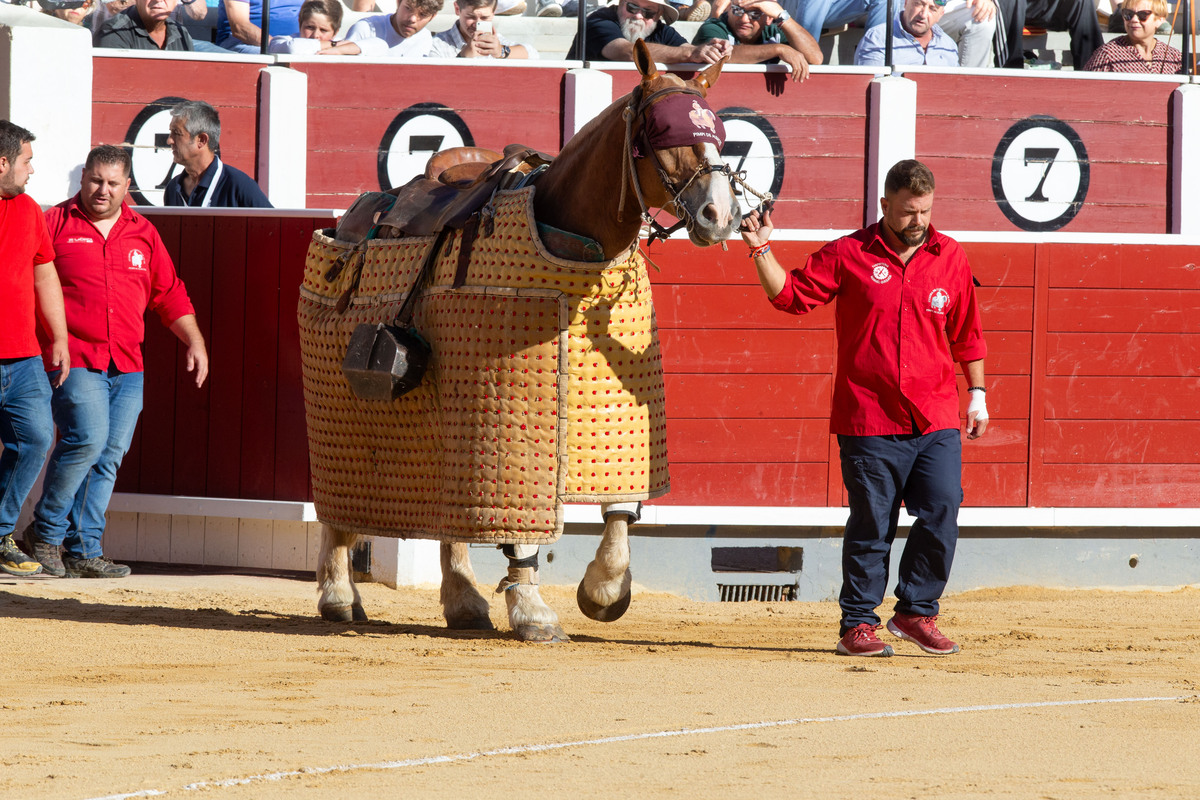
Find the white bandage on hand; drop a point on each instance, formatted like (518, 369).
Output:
(978, 406)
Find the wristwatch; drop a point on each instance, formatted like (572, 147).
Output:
(505, 50)
(784, 16)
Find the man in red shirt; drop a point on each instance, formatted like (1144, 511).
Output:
(906, 313)
(113, 266)
(28, 283)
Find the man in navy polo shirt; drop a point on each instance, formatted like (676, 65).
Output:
(206, 180)
(906, 312)
(612, 30)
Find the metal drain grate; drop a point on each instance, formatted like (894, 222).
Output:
(748, 592)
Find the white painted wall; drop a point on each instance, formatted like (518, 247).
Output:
(42, 57)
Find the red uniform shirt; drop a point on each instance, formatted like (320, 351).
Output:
(109, 283)
(900, 329)
(24, 243)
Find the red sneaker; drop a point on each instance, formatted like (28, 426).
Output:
(862, 641)
(923, 632)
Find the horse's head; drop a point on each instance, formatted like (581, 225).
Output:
(677, 140)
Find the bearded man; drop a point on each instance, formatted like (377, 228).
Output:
(612, 31)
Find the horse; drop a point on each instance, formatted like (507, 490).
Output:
(600, 186)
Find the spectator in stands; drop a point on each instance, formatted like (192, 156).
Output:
(239, 23)
(114, 267)
(195, 142)
(146, 26)
(761, 32)
(30, 295)
(1077, 16)
(320, 20)
(463, 39)
(186, 12)
(1138, 51)
(816, 15)
(972, 25)
(916, 38)
(76, 12)
(612, 30)
(402, 34)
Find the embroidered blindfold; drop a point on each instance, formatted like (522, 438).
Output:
(683, 120)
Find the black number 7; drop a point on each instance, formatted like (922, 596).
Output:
(1039, 155)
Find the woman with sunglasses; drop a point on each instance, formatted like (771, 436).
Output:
(1138, 51)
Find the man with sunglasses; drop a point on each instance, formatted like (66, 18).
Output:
(1139, 50)
(761, 32)
(612, 30)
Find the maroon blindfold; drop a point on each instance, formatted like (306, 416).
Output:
(682, 120)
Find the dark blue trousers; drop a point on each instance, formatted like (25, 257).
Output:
(923, 471)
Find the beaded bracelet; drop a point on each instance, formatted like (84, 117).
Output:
(762, 250)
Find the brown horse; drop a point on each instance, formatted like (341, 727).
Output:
(600, 186)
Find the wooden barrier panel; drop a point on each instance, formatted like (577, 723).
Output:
(131, 97)
(363, 114)
(1092, 362)
(962, 122)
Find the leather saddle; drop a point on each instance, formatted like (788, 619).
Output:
(457, 183)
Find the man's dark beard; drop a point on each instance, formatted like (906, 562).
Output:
(909, 239)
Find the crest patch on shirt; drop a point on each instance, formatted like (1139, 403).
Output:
(938, 300)
(880, 273)
(137, 260)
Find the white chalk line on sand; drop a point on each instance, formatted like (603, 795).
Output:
(630, 737)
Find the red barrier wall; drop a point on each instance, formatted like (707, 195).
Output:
(124, 87)
(1092, 367)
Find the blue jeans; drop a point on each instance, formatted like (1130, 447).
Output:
(96, 412)
(813, 15)
(27, 431)
(925, 471)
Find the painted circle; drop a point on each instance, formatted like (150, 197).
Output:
(413, 136)
(752, 145)
(1040, 174)
(153, 164)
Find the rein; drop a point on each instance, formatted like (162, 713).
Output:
(637, 109)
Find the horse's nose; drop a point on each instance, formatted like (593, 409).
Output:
(717, 217)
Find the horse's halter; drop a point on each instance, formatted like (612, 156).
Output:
(636, 109)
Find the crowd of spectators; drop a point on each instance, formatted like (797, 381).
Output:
(964, 33)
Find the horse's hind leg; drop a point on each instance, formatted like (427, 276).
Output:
(604, 593)
(531, 619)
(462, 604)
(339, 600)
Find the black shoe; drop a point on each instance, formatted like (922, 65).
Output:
(98, 567)
(46, 554)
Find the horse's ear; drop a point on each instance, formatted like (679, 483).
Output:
(707, 77)
(645, 63)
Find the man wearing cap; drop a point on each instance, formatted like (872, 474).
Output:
(916, 38)
(761, 32)
(612, 30)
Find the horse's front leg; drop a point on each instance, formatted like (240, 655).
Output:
(339, 600)
(604, 593)
(462, 604)
(531, 619)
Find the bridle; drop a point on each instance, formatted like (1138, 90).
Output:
(636, 109)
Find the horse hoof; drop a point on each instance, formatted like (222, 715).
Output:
(352, 613)
(542, 634)
(593, 610)
(470, 624)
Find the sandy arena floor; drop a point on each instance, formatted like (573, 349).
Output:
(229, 687)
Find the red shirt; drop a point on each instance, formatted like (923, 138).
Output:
(109, 283)
(24, 243)
(900, 329)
